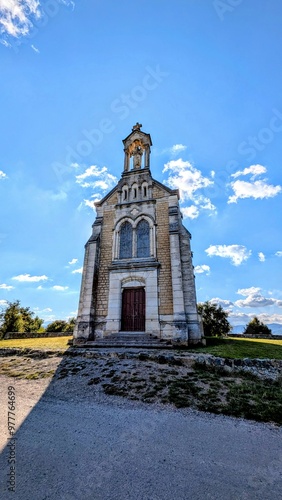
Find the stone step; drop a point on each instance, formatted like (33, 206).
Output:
(128, 339)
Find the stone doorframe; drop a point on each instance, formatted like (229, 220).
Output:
(118, 280)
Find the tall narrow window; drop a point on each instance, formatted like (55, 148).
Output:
(143, 239)
(125, 246)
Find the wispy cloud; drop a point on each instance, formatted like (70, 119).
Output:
(236, 253)
(73, 261)
(177, 148)
(77, 271)
(96, 178)
(279, 253)
(3, 286)
(35, 49)
(16, 15)
(248, 291)
(29, 278)
(3, 303)
(2, 175)
(60, 288)
(203, 269)
(261, 257)
(253, 169)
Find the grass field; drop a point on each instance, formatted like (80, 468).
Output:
(225, 348)
(52, 343)
(244, 348)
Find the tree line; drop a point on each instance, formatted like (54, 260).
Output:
(15, 318)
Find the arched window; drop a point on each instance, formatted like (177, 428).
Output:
(125, 243)
(143, 239)
(124, 193)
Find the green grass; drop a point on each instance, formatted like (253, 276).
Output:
(52, 343)
(244, 348)
(225, 348)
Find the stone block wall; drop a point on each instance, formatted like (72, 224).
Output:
(163, 256)
(105, 261)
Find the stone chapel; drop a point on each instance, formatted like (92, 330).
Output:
(138, 273)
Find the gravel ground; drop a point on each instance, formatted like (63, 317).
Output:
(73, 441)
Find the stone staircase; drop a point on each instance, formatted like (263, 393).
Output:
(128, 339)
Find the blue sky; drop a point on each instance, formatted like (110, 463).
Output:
(204, 78)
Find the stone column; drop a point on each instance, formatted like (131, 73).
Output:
(126, 160)
(86, 310)
(179, 317)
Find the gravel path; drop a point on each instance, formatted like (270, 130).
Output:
(72, 446)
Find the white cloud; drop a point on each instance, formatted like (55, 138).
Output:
(242, 318)
(35, 49)
(279, 253)
(261, 256)
(257, 190)
(237, 253)
(29, 278)
(248, 291)
(73, 261)
(41, 311)
(3, 286)
(16, 15)
(184, 176)
(77, 271)
(104, 180)
(2, 175)
(191, 212)
(3, 303)
(254, 298)
(59, 288)
(222, 302)
(202, 269)
(253, 169)
(177, 148)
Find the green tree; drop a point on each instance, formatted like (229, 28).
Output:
(70, 325)
(15, 318)
(59, 326)
(257, 327)
(215, 322)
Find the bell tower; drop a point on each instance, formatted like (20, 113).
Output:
(137, 149)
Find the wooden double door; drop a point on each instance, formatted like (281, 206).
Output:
(133, 310)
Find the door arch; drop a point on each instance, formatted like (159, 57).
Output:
(133, 309)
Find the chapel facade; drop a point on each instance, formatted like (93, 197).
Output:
(138, 272)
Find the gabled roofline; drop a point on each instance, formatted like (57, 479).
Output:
(99, 203)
